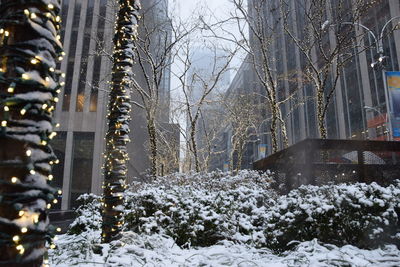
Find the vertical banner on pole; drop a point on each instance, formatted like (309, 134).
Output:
(226, 166)
(262, 151)
(393, 82)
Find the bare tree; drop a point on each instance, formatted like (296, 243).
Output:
(327, 41)
(242, 117)
(154, 48)
(257, 35)
(197, 86)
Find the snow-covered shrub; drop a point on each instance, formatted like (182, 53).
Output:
(88, 214)
(359, 214)
(202, 209)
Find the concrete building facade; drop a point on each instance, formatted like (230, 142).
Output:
(87, 32)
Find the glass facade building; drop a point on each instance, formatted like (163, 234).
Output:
(359, 100)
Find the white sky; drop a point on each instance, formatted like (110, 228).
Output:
(186, 7)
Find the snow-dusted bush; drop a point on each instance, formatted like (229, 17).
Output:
(202, 209)
(362, 215)
(88, 214)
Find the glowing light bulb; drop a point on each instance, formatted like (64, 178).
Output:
(20, 248)
(23, 111)
(6, 108)
(50, 177)
(29, 153)
(33, 16)
(25, 76)
(15, 238)
(24, 230)
(34, 61)
(14, 180)
(50, 6)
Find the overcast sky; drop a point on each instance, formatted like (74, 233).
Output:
(186, 7)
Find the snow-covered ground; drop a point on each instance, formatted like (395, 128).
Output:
(221, 219)
(156, 250)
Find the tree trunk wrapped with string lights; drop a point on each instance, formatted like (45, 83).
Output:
(29, 48)
(116, 155)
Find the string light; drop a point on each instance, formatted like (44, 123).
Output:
(36, 80)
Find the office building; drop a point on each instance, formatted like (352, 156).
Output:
(87, 32)
(358, 108)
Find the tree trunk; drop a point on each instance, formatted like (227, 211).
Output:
(321, 115)
(273, 129)
(240, 157)
(283, 130)
(194, 147)
(29, 48)
(151, 128)
(115, 172)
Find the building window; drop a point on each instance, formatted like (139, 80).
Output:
(96, 83)
(58, 144)
(82, 163)
(71, 57)
(80, 98)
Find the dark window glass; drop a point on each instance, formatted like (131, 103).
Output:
(97, 61)
(80, 98)
(71, 57)
(58, 145)
(82, 162)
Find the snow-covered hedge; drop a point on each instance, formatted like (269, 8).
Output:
(203, 209)
(88, 214)
(362, 215)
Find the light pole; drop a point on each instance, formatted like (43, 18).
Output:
(383, 116)
(382, 57)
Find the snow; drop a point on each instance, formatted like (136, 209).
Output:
(158, 250)
(223, 219)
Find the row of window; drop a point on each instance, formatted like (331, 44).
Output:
(93, 36)
(81, 164)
